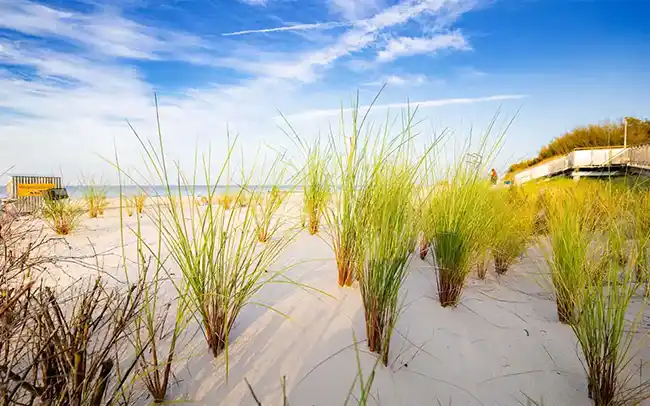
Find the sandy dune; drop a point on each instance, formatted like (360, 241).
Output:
(501, 344)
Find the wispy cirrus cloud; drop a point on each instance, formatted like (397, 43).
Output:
(293, 27)
(364, 34)
(408, 46)
(311, 114)
(399, 80)
(100, 32)
(70, 77)
(355, 9)
(254, 2)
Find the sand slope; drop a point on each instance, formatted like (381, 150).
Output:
(501, 343)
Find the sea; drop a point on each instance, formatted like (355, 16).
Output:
(160, 190)
(78, 191)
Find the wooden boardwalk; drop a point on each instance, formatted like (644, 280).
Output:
(594, 162)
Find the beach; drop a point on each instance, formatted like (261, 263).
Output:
(502, 344)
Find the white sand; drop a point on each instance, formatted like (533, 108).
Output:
(501, 343)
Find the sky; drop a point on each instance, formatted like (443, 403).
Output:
(73, 74)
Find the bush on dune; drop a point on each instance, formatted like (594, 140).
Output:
(63, 216)
(592, 136)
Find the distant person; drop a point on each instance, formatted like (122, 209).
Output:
(493, 176)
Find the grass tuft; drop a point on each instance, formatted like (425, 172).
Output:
(96, 200)
(63, 216)
(609, 342)
(344, 216)
(514, 222)
(570, 260)
(316, 187)
(266, 205)
(455, 213)
(139, 201)
(216, 250)
(388, 242)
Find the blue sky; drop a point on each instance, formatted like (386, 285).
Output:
(71, 72)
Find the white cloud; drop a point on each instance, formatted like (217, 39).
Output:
(311, 114)
(55, 128)
(407, 46)
(355, 9)
(254, 2)
(66, 106)
(293, 27)
(107, 33)
(399, 80)
(363, 34)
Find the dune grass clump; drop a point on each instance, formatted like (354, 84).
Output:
(389, 239)
(513, 228)
(388, 214)
(571, 261)
(96, 200)
(266, 207)
(640, 225)
(216, 250)
(344, 216)
(484, 239)
(316, 188)
(217, 253)
(609, 341)
(128, 205)
(230, 200)
(139, 201)
(315, 178)
(454, 214)
(615, 220)
(63, 216)
(227, 200)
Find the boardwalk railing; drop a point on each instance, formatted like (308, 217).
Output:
(583, 158)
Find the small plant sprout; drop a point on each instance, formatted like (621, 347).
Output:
(151, 326)
(364, 395)
(63, 216)
(482, 261)
(423, 246)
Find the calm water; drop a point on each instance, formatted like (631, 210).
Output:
(199, 190)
